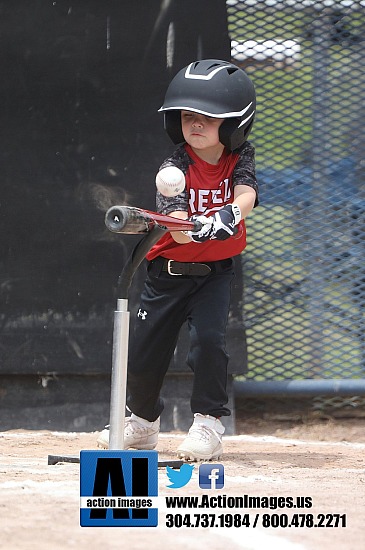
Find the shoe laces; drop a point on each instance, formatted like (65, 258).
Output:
(203, 432)
(134, 427)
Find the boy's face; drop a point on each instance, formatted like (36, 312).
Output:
(200, 131)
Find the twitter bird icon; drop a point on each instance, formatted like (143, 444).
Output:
(179, 478)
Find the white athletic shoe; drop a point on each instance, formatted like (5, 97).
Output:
(204, 440)
(138, 434)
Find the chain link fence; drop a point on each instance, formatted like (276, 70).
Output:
(304, 267)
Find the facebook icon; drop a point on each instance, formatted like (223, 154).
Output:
(211, 476)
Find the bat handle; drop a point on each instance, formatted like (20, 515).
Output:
(197, 226)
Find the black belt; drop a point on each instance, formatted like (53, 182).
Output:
(193, 268)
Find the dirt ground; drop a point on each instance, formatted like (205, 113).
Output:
(324, 460)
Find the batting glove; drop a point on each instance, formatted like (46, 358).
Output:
(224, 222)
(205, 232)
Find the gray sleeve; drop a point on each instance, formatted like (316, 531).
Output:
(166, 205)
(245, 169)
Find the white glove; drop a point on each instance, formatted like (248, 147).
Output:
(205, 232)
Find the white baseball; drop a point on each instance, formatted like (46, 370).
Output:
(170, 181)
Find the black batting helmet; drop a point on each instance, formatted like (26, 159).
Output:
(214, 88)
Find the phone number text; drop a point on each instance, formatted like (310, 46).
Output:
(255, 520)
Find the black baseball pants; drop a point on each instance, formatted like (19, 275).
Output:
(167, 301)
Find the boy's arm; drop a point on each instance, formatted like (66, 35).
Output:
(223, 222)
(245, 198)
(225, 219)
(178, 236)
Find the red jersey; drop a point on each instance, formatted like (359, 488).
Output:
(209, 187)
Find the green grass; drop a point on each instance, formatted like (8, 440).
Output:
(285, 117)
(298, 327)
(289, 336)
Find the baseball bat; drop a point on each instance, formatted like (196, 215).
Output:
(133, 220)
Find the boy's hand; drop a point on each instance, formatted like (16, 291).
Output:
(224, 222)
(206, 230)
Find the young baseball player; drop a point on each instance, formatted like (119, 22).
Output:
(209, 110)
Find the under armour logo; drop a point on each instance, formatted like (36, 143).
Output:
(142, 314)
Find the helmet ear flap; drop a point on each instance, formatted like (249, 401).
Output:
(231, 135)
(172, 124)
